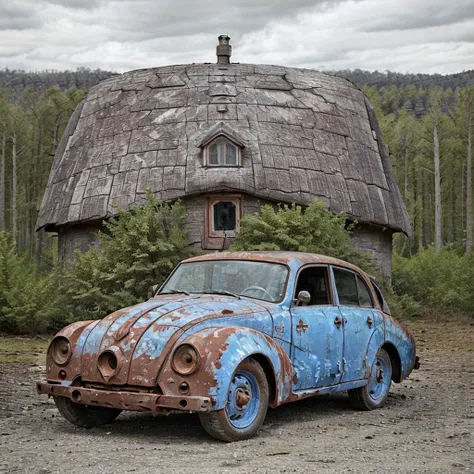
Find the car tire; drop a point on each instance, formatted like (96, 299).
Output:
(84, 415)
(246, 406)
(375, 393)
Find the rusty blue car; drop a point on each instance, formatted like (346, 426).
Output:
(229, 335)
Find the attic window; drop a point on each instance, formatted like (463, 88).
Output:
(222, 152)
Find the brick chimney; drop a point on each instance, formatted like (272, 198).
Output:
(224, 50)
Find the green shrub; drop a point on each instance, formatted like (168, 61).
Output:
(402, 306)
(27, 302)
(441, 282)
(312, 229)
(137, 250)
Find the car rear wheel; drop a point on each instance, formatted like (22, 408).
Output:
(375, 393)
(84, 415)
(246, 408)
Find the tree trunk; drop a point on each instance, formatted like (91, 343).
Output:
(438, 218)
(405, 187)
(469, 189)
(14, 192)
(3, 225)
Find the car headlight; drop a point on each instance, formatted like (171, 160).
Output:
(60, 350)
(185, 359)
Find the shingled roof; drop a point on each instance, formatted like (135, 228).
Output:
(306, 136)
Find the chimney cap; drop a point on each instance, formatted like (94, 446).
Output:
(224, 50)
(224, 39)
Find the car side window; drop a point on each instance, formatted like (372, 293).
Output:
(314, 280)
(346, 287)
(380, 298)
(365, 299)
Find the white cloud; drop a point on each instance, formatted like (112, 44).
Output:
(401, 35)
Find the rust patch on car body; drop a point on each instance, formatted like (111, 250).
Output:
(126, 359)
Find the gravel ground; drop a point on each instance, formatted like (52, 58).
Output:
(426, 427)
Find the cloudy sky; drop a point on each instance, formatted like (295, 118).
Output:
(400, 35)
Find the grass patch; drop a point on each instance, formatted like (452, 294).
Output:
(23, 350)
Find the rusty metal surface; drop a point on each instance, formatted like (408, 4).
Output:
(134, 401)
(285, 258)
(304, 350)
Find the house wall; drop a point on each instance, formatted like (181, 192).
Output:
(76, 237)
(377, 241)
(370, 239)
(196, 207)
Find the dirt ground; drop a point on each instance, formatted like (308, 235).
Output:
(426, 426)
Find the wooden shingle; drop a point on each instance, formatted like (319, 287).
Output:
(304, 136)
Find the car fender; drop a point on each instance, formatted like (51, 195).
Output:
(399, 336)
(375, 343)
(76, 333)
(222, 349)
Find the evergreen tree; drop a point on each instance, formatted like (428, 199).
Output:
(137, 250)
(314, 229)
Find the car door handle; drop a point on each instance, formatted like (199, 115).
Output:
(301, 327)
(338, 322)
(369, 321)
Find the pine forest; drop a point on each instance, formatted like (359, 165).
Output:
(427, 122)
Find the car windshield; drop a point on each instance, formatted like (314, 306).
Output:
(261, 280)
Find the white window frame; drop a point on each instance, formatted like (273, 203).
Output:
(221, 153)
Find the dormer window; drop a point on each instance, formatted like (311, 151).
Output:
(222, 152)
(221, 146)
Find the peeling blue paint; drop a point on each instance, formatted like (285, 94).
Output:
(318, 350)
(303, 341)
(152, 342)
(404, 344)
(240, 344)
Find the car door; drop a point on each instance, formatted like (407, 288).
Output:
(360, 320)
(317, 334)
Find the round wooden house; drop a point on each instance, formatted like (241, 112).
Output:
(224, 138)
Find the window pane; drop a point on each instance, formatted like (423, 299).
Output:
(213, 155)
(380, 298)
(236, 276)
(224, 216)
(230, 154)
(314, 281)
(346, 287)
(364, 296)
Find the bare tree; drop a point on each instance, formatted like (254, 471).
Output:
(3, 225)
(14, 204)
(3, 157)
(469, 186)
(464, 119)
(436, 100)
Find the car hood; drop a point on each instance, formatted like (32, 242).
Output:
(142, 335)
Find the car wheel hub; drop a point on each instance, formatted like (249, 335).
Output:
(243, 401)
(379, 381)
(242, 398)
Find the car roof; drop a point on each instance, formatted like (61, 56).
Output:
(301, 258)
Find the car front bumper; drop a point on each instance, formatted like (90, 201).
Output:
(124, 400)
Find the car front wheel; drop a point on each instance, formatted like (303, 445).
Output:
(375, 393)
(84, 415)
(246, 408)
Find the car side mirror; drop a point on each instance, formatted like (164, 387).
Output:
(303, 298)
(154, 289)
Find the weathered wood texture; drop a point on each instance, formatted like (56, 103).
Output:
(307, 136)
(76, 237)
(377, 242)
(374, 240)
